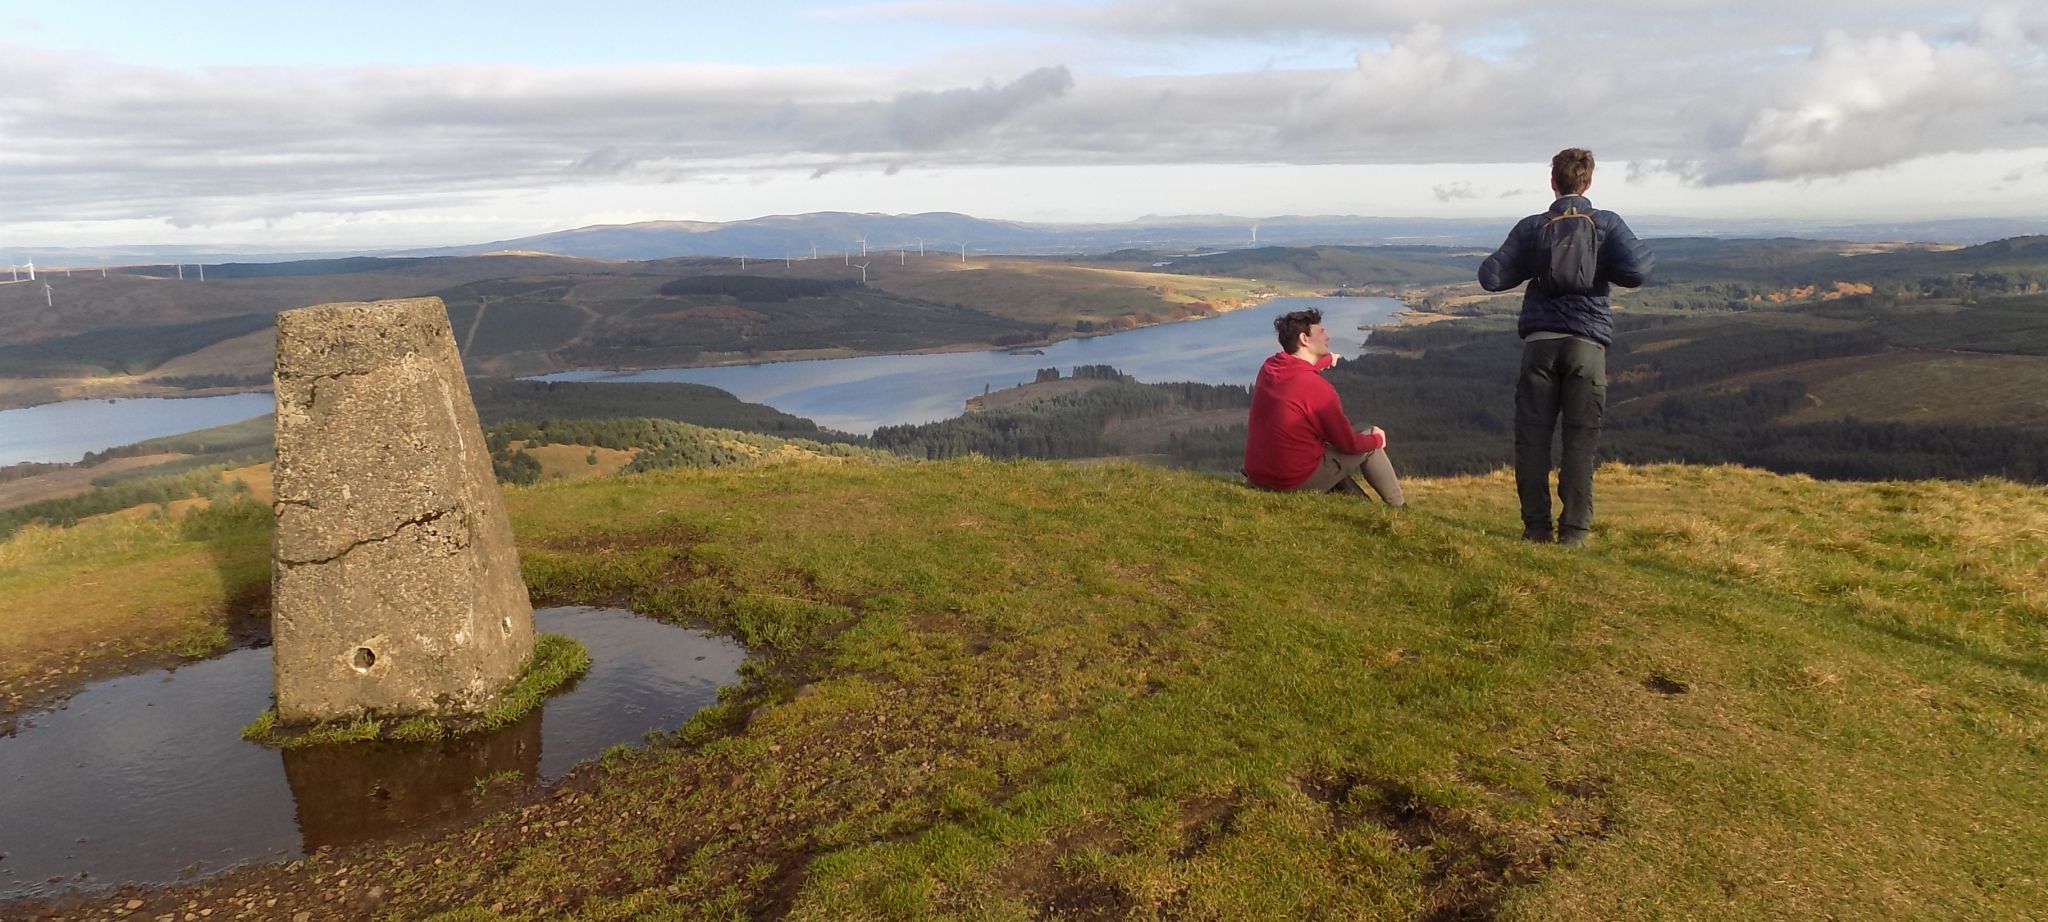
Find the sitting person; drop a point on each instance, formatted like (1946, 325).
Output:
(1299, 438)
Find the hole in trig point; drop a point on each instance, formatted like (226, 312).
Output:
(364, 659)
(505, 624)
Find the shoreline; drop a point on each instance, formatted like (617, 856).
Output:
(49, 391)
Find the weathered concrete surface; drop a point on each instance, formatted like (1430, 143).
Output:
(395, 584)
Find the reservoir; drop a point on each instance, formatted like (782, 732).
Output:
(859, 394)
(851, 395)
(66, 431)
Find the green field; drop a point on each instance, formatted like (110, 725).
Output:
(1030, 690)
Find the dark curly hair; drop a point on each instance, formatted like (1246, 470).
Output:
(1292, 326)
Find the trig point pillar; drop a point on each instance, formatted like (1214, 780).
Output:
(395, 585)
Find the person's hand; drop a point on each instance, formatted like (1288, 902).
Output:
(1382, 433)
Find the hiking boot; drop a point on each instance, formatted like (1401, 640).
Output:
(1538, 536)
(1573, 539)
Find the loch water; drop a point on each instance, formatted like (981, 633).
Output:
(851, 395)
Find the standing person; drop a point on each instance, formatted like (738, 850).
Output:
(1298, 438)
(1570, 256)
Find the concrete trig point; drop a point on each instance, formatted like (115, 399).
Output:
(395, 584)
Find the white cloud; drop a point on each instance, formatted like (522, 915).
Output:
(1684, 91)
(1451, 192)
(1863, 102)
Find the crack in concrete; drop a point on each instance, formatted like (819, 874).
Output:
(415, 522)
(328, 376)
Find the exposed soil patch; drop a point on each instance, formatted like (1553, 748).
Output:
(1059, 886)
(1083, 895)
(1204, 822)
(1665, 685)
(1474, 861)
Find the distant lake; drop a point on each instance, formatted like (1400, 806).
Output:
(852, 395)
(859, 394)
(66, 431)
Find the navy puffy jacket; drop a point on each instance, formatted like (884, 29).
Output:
(1624, 261)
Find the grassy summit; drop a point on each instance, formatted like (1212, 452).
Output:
(1016, 690)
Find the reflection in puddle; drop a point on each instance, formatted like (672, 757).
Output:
(347, 794)
(145, 779)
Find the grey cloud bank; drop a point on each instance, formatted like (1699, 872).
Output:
(1657, 84)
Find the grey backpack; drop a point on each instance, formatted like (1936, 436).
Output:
(1571, 252)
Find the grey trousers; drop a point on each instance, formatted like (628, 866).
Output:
(1561, 379)
(1335, 475)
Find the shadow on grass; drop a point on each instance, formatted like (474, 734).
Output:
(235, 536)
(2030, 667)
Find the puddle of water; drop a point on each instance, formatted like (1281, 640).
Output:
(144, 779)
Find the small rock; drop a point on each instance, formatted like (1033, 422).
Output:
(134, 905)
(305, 915)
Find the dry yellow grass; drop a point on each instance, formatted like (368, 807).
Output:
(1041, 292)
(75, 600)
(572, 462)
(256, 476)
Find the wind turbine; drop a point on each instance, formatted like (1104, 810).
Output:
(920, 246)
(181, 272)
(1255, 234)
(785, 259)
(15, 271)
(202, 272)
(903, 257)
(863, 238)
(963, 251)
(31, 270)
(743, 262)
(863, 273)
(814, 251)
(47, 302)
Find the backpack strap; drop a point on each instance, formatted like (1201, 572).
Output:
(1571, 211)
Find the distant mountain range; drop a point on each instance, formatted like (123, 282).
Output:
(795, 235)
(776, 236)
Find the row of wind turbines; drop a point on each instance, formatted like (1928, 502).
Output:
(846, 256)
(14, 272)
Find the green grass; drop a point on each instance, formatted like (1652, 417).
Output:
(556, 660)
(1013, 690)
(1025, 690)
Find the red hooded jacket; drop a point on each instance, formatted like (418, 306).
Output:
(1294, 414)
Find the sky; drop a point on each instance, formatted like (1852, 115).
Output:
(282, 126)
